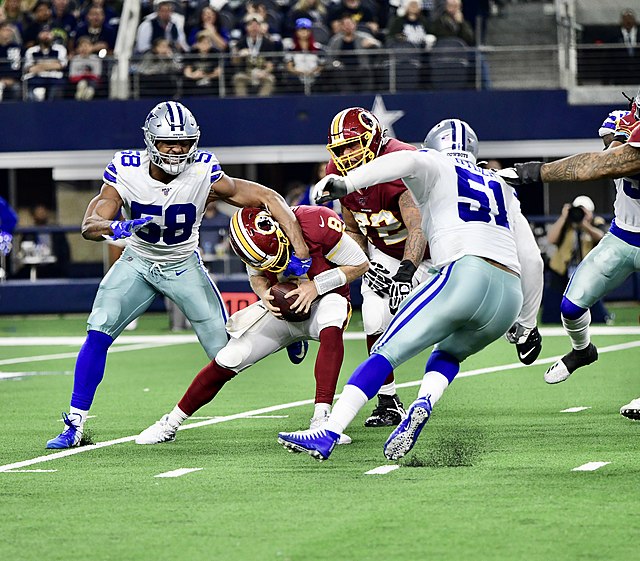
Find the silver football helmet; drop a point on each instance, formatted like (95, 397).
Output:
(454, 138)
(171, 121)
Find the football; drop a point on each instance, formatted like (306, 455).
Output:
(279, 301)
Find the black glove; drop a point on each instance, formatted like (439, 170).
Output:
(522, 174)
(328, 189)
(378, 278)
(401, 285)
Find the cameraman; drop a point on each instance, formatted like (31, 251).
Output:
(576, 232)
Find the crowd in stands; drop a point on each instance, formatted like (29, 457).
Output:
(63, 48)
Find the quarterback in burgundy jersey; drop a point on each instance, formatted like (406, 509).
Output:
(385, 222)
(258, 330)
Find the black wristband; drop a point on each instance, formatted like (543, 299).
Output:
(405, 271)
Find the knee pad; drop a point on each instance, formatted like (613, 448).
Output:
(332, 311)
(569, 310)
(234, 354)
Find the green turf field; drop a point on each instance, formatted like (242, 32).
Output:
(490, 478)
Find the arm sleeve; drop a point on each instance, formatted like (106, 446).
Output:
(347, 252)
(532, 270)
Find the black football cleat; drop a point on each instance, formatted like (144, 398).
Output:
(569, 363)
(388, 412)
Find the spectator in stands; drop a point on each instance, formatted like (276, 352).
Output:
(626, 67)
(350, 72)
(44, 66)
(313, 10)
(253, 68)
(11, 11)
(209, 21)
(362, 15)
(64, 19)
(85, 70)
(410, 25)
(304, 60)
(41, 19)
(271, 20)
(47, 243)
(159, 70)
(165, 24)
(102, 35)
(202, 68)
(10, 63)
(451, 23)
(576, 232)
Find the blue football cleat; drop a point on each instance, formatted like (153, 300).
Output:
(297, 351)
(69, 437)
(407, 432)
(318, 443)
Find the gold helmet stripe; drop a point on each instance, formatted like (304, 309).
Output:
(250, 249)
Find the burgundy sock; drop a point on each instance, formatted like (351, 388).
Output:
(328, 363)
(371, 340)
(205, 387)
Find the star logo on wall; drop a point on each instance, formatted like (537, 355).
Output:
(386, 117)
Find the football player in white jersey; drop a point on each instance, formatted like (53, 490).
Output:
(618, 253)
(162, 193)
(472, 299)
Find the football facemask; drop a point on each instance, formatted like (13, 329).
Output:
(171, 121)
(259, 241)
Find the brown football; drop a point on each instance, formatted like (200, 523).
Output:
(279, 301)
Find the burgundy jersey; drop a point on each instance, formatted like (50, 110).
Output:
(377, 209)
(322, 230)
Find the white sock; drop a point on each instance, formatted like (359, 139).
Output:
(346, 408)
(321, 410)
(177, 417)
(80, 414)
(433, 385)
(578, 330)
(388, 389)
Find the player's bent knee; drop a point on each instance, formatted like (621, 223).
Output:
(570, 310)
(332, 311)
(234, 354)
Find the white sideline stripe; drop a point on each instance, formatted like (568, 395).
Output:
(178, 472)
(574, 409)
(33, 471)
(74, 354)
(590, 466)
(381, 470)
(191, 338)
(11, 375)
(272, 408)
(268, 417)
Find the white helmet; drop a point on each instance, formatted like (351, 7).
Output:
(171, 121)
(453, 137)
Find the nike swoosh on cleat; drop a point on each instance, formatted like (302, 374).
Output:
(178, 273)
(525, 355)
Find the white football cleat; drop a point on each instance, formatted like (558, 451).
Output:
(320, 417)
(160, 431)
(569, 363)
(631, 410)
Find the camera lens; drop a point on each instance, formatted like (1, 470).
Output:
(576, 214)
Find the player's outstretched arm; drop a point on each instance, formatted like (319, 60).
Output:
(100, 214)
(244, 193)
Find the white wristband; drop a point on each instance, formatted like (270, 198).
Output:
(329, 280)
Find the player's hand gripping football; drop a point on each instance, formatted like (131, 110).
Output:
(124, 228)
(306, 293)
(267, 301)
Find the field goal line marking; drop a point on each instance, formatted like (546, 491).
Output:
(272, 408)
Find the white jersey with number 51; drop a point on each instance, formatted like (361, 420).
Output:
(466, 210)
(176, 208)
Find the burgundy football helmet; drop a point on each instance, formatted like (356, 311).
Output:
(259, 241)
(354, 128)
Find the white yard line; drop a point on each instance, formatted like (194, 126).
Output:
(271, 409)
(381, 470)
(178, 472)
(590, 466)
(574, 409)
(32, 471)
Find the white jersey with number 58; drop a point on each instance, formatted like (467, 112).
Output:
(176, 208)
(466, 210)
